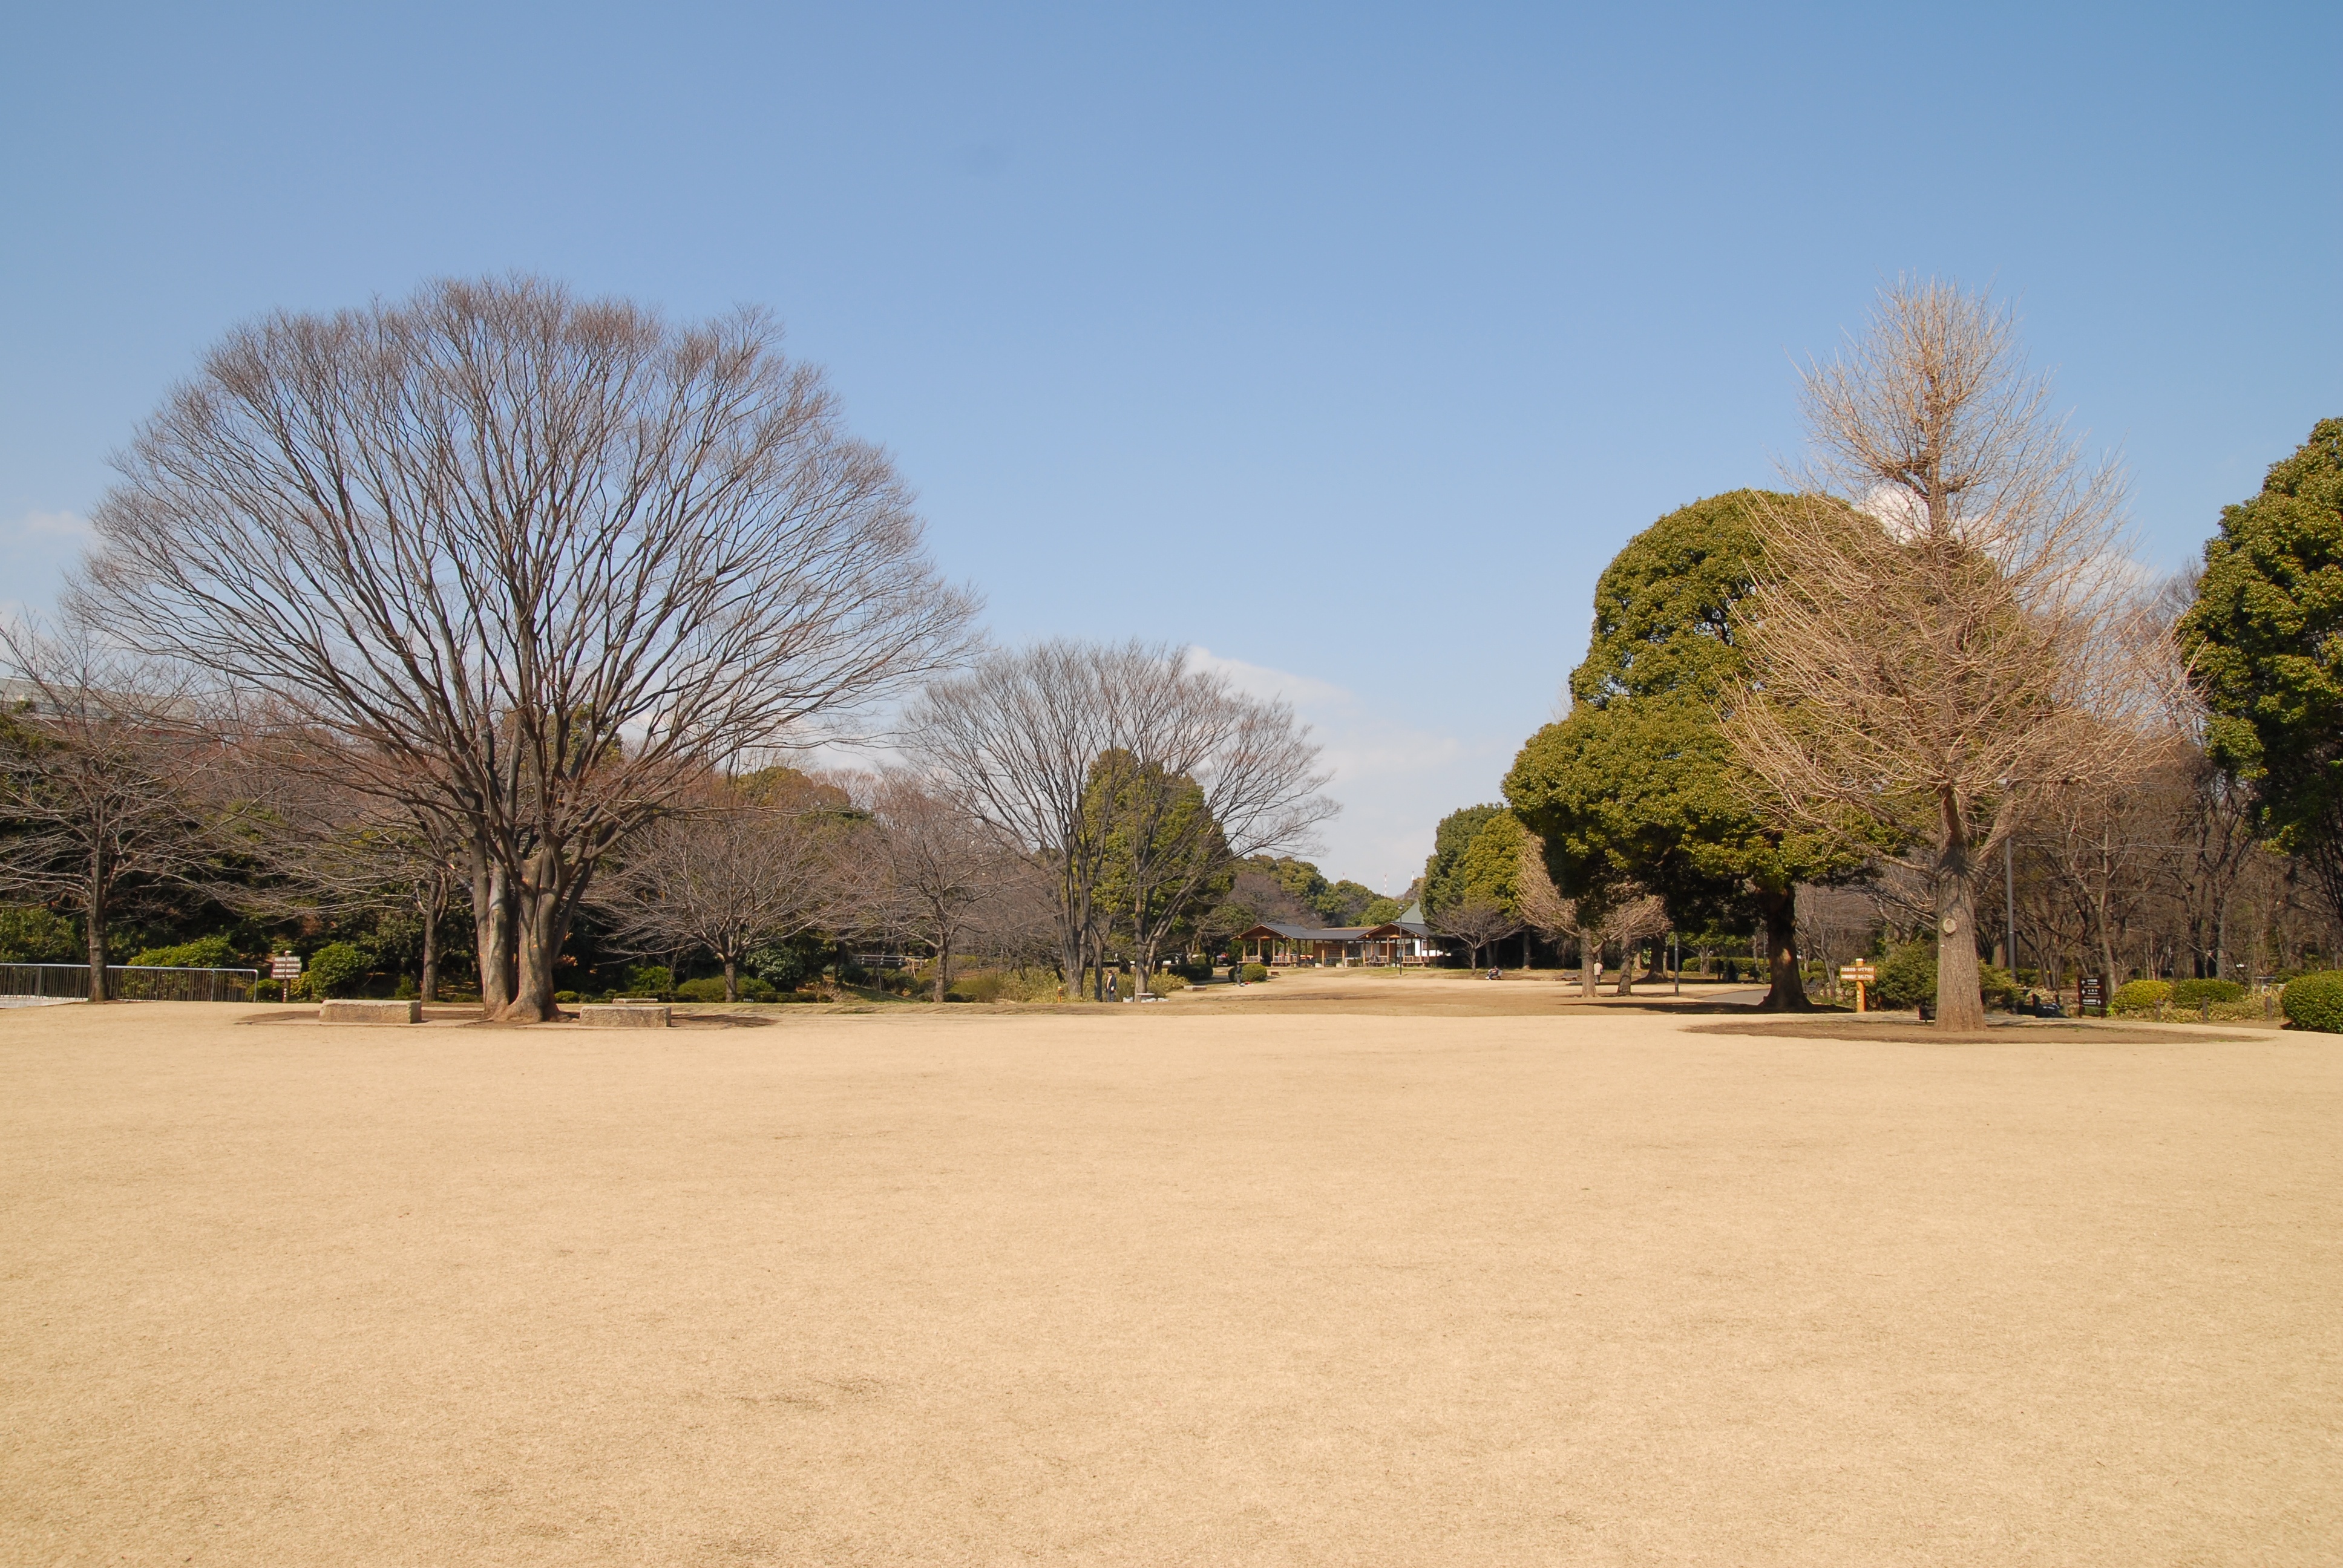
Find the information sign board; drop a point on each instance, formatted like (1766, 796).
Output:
(286, 966)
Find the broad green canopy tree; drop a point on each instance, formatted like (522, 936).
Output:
(1639, 786)
(2265, 645)
(1443, 870)
(1489, 871)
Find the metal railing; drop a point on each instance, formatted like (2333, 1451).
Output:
(129, 982)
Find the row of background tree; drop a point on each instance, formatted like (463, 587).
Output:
(751, 885)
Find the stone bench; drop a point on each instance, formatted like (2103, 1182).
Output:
(370, 1012)
(624, 1015)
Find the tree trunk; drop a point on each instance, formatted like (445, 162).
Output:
(1626, 986)
(943, 961)
(434, 910)
(492, 919)
(1779, 908)
(1590, 953)
(539, 908)
(731, 977)
(1959, 1004)
(93, 901)
(2106, 945)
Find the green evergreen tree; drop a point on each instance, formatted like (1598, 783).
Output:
(2264, 644)
(1638, 786)
(1443, 870)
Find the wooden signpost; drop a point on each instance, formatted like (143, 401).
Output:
(2091, 991)
(1860, 973)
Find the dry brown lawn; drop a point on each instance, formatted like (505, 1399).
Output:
(1205, 1282)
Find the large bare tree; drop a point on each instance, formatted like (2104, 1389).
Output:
(102, 769)
(1019, 739)
(1942, 627)
(531, 562)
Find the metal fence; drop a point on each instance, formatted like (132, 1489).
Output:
(129, 982)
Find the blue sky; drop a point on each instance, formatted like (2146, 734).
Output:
(1344, 344)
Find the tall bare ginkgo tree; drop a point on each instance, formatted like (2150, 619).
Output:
(533, 563)
(1943, 627)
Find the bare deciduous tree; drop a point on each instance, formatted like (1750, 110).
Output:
(1627, 917)
(737, 863)
(1627, 924)
(1941, 629)
(933, 865)
(1478, 923)
(533, 563)
(1017, 741)
(100, 771)
(307, 845)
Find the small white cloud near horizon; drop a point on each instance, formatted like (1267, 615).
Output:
(1395, 781)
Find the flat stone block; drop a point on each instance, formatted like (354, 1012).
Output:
(624, 1015)
(370, 1012)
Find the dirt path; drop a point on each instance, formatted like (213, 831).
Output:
(1176, 1284)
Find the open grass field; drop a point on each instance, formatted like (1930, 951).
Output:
(1242, 1278)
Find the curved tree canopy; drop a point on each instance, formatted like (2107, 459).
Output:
(2265, 642)
(1639, 785)
(1443, 883)
(529, 562)
(1489, 871)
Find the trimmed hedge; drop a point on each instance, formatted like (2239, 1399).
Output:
(2140, 996)
(1255, 974)
(2315, 1003)
(2196, 993)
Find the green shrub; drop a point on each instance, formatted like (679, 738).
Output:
(267, 990)
(203, 953)
(337, 969)
(2315, 1003)
(1255, 974)
(565, 996)
(1908, 976)
(2194, 994)
(33, 935)
(709, 990)
(754, 988)
(650, 979)
(2141, 996)
(1168, 982)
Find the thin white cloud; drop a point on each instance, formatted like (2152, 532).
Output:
(1395, 779)
(70, 528)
